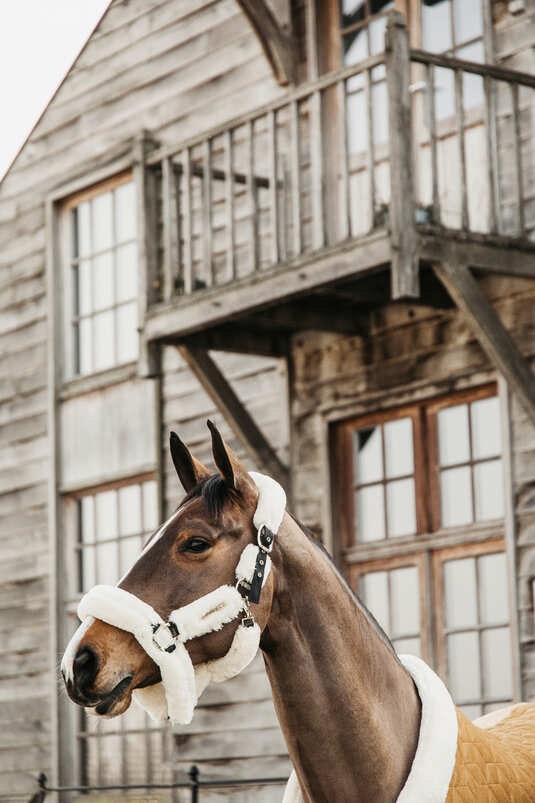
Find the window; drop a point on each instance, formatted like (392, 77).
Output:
(422, 537)
(362, 28)
(111, 524)
(425, 468)
(102, 256)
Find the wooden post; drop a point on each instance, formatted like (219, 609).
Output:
(236, 414)
(493, 337)
(148, 278)
(170, 220)
(405, 280)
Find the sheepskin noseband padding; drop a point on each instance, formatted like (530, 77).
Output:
(176, 696)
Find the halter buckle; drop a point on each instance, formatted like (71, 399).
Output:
(265, 539)
(165, 636)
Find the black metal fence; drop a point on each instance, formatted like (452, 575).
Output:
(194, 783)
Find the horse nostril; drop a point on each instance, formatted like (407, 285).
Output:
(85, 667)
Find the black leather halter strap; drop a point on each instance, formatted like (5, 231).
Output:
(265, 545)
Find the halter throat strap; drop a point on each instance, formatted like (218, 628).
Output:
(164, 641)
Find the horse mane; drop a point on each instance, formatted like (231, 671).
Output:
(215, 492)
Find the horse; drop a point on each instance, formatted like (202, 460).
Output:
(230, 571)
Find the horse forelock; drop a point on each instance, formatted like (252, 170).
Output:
(214, 492)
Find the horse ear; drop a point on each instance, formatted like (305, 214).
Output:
(231, 468)
(190, 471)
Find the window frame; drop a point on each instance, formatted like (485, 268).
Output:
(424, 415)
(65, 206)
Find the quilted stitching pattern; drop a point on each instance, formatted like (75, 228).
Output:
(496, 765)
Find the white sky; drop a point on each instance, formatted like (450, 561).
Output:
(39, 40)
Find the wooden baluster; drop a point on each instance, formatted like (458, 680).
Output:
(431, 117)
(273, 187)
(187, 255)
(370, 156)
(229, 206)
(295, 167)
(459, 114)
(345, 197)
(253, 200)
(170, 228)
(517, 150)
(207, 211)
(316, 157)
(490, 136)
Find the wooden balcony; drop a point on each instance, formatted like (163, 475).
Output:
(340, 195)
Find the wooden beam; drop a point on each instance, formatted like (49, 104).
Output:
(403, 233)
(237, 416)
(240, 339)
(507, 256)
(314, 313)
(278, 46)
(189, 314)
(493, 337)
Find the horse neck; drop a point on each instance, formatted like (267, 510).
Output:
(349, 711)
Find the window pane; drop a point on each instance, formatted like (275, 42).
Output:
(370, 514)
(436, 26)
(129, 550)
(355, 9)
(102, 211)
(85, 345)
(125, 212)
(103, 281)
(373, 590)
(444, 93)
(377, 33)
(460, 592)
(473, 90)
(368, 455)
(456, 497)
(355, 46)
(467, 19)
(486, 428)
(104, 340)
(405, 611)
(408, 646)
(127, 334)
(150, 506)
(88, 568)
(496, 649)
(401, 511)
(488, 486)
(83, 287)
(106, 515)
(398, 448)
(87, 519)
(463, 667)
(453, 437)
(126, 262)
(107, 568)
(493, 601)
(83, 229)
(379, 113)
(357, 134)
(130, 510)
(472, 711)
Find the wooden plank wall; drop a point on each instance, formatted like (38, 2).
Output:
(234, 732)
(412, 353)
(175, 67)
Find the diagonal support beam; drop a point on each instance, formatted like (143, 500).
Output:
(278, 46)
(493, 337)
(237, 416)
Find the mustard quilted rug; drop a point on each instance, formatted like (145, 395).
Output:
(496, 765)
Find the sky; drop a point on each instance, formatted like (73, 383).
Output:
(39, 40)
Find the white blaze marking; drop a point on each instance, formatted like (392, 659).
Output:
(72, 648)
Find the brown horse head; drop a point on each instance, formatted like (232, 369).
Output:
(195, 551)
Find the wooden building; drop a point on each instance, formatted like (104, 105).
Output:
(315, 221)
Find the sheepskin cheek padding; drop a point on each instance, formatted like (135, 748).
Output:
(496, 764)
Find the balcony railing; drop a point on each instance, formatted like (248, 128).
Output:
(406, 139)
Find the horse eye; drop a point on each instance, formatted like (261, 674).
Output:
(195, 545)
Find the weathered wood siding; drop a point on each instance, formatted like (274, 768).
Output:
(175, 67)
(234, 732)
(413, 353)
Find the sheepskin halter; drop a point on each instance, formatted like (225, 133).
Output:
(182, 684)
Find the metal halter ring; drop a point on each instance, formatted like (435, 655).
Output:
(172, 634)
